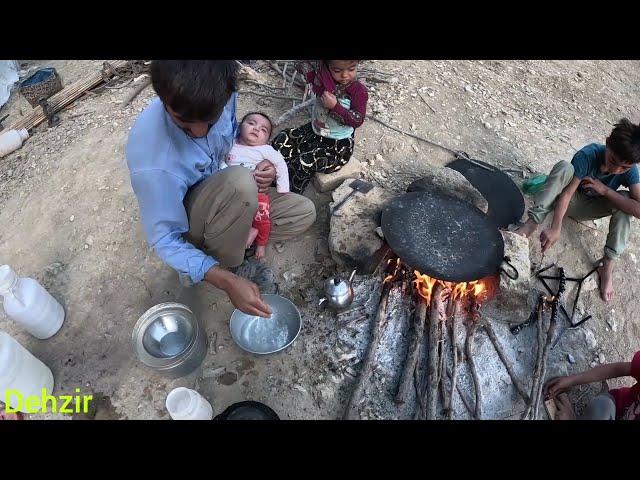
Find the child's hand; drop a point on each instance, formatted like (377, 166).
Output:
(557, 385)
(329, 100)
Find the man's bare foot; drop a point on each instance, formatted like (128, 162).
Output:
(253, 233)
(565, 409)
(527, 229)
(605, 272)
(261, 251)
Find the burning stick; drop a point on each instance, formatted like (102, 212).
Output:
(441, 364)
(437, 316)
(455, 326)
(367, 365)
(419, 318)
(536, 370)
(505, 360)
(553, 323)
(471, 332)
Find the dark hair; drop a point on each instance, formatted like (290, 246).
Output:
(262, 115)
(197, 90)
(624, 141)
(327, 62)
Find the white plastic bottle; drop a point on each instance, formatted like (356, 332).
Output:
(21, 372)
(12, 140)
(28, 304)
(186, 404)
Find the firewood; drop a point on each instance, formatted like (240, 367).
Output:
(553, 323)
(455, 326)
(406, 379)
(436, 316)
(351, 412)
(539, 343)
(505, 360)
(471, 332)
(293, 111)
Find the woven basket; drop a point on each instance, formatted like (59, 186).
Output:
(42, 84)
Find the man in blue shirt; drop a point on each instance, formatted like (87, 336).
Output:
(587, 188)
(195, 216)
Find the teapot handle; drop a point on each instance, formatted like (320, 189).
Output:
(353, 274)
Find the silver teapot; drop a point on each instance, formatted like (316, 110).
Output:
(338, 293)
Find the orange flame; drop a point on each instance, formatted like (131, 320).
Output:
(424, 286)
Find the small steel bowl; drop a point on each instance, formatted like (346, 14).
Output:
(263, 336)
(170, 339)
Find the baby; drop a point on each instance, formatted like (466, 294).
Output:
(249, 149)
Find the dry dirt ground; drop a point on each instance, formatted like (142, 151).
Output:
(69, 218)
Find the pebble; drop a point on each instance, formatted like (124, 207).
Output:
(593, 364)
(590, 339)
(571, 359)
(72, 218)
(631, 255)
(601, 358)
(379, 158)
(468, 88)
(89, 240)
(487, 125)
(611, 321)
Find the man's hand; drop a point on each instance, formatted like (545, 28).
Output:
(244, 294)
(328, 99)
(557, 385)
(595, 185)
(548, 237)
(265, 174)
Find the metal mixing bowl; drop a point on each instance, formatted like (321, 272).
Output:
(170, 339)
(267, 335)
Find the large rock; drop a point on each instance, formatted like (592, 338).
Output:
(353, 239)
(513, 294)
(443, 180)
(325, 182)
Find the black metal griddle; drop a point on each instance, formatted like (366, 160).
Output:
(443, 236)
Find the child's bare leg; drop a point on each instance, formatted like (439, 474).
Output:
(253, 233)
(261, 251)
(605, 272)
(528, 228)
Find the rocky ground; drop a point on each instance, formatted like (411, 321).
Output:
(68, 217)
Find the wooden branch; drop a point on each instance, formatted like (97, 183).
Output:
(455, 326)
(505, 360)
(436, 315)
(442, 359)
(536, 370)
(553, 323)
(465, 400)
(351, 412)
(413, 351)
(293, 111)
(274, 66)
(136, 91)
(271, 95)
(471, 331)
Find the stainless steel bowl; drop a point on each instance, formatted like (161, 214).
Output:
(263, 336)
(170, 339)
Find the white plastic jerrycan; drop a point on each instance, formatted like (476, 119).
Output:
(186, 404)
(28, 304)
(21, 374)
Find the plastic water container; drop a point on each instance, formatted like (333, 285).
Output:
(12, 140)
(28, 304)
(186, 404)
(21, 371)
